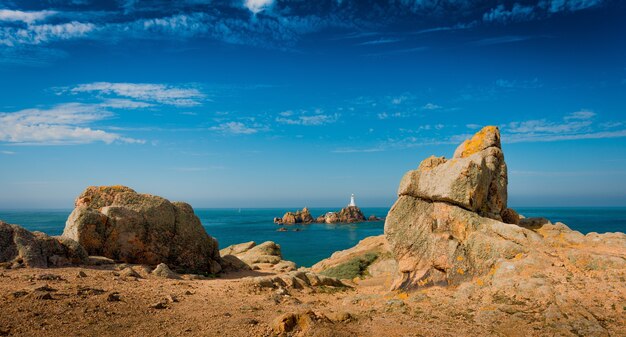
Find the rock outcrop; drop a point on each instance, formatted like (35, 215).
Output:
(121, 224)
(349, 214)
(448, 224)
(22, 248)
(266, 256)
(301, 216)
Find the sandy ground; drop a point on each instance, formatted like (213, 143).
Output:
(105, 304)
(57, 302)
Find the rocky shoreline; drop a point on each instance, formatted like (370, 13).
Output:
(454, 260)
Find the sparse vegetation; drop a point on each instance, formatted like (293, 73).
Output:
(356, 267)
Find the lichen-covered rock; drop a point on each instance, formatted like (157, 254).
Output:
(450, 225)
(474, 179)
(119, 223)
(22, 248)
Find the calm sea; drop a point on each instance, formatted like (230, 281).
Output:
(316, 241)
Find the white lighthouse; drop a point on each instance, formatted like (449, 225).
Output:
(352, 203)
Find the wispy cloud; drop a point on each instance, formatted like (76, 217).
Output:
(60, 125)
(431, 106)
(378, 41)
(237, 128)
(574, 126)
(158, 93)
(303, 118)
(24, 16)
(7, 152)
(39, 34)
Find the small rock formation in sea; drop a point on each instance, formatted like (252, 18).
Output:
(121, 224)
(22, 248)
(350, 214)
(451, 224)
(267, 255)
(301, 216)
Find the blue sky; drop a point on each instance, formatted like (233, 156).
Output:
(262, 103)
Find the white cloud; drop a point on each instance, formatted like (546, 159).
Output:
(580, 115)
(159, 93)
(576, 125)
(7, 152)
(37, 34)
(431, 106)
(121, 103)
(26, 17)
(235, 128)
(63, 124)
(309, 120)
(256, 6)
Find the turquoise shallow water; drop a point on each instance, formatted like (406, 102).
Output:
(316, 241)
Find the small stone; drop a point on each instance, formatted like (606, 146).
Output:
(114, 297)
(188, 293)
(159, 305)
(81, 274)
(172, 298)
(19, 293)
(42, 295)
(49, 277)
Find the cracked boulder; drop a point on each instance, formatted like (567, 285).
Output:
(450, 224)
(121, 224)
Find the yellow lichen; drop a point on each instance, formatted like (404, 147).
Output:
(480, 282)
(403, 296)
(459, 258)
(460, 271)
(475, 144)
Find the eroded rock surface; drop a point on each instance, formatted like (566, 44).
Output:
(266, 255)
(119, 223)
(447, 225)
(22, 248)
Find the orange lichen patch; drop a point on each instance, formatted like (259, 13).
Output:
(492, 271)
(477, 142)
(460, 271)
(518, 256)
(459, 258)
(480, 282)
(402, 296)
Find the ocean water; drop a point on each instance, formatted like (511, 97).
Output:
(315, 242)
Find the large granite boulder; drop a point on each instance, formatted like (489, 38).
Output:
(474, 179)
(450, 225)
(119, 223)
(22, 248)
(351, 214)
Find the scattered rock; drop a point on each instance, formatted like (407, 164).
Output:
(266, 255)
(113, 297)
(49, 277)
(282, 229)
(301, 322)
(99, 260)
(119, 223)
(81, 274)
(162, 270)
(22, 248)
(295, 280)
(19, 293)
(41, 295)
(129, 272)
(159, 305)
(88, 291)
